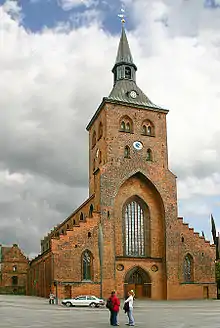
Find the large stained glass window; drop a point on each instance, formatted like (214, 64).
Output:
(136, 229)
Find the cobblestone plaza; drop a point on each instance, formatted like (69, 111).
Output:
(23, 312)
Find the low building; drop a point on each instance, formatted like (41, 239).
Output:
(13, 270)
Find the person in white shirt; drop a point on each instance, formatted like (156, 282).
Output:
(130, 300)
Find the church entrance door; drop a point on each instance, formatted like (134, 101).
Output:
(139, 281)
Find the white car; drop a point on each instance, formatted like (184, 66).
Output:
(84, 300)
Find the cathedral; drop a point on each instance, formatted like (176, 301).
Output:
(127, 234)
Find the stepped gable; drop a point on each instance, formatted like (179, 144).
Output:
(77, 235)
(80, 215)
(185, 231)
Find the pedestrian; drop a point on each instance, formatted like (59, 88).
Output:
(51, 298)
(129, 311)
(114, 305)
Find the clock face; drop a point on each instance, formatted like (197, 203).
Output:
(133, 94)
(137, 145)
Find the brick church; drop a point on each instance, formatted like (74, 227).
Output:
(127, 234)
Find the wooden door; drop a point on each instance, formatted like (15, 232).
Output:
(205, 292)
(139, 291)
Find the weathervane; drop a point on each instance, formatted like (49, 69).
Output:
(122, 15)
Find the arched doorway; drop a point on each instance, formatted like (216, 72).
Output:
(138, 280)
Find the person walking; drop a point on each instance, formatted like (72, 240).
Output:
(114, 309)
(130, 301)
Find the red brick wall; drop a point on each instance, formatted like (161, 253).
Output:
(40, 276)
(113, 181)
(13, 257)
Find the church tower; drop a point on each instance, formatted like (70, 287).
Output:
(134, 190)
(127, 234)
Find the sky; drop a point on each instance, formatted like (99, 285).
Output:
(56, 58)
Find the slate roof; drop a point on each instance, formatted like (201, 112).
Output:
(120, 92)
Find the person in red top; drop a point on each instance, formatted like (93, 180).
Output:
(115, 309)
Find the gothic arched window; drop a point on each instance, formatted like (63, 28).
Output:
(128, 127)
(148, 128)
(136, 228)
(122, 126)
(87, 265)
(127, 73)
(144, 129)
(81, 216)
(188, 268)
(149, 155)
(127, 152)
(100, 130)
(91, 211)
(126, 124)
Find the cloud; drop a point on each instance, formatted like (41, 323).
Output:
(13, 8)
(70, 4)
(51, 84)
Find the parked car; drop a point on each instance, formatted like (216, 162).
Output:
(84, 300)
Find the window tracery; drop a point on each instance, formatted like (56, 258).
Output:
(126, 124)
(136, 228)
(148, 128)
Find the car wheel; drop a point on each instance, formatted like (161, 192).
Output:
(68, 304)
(92, 305)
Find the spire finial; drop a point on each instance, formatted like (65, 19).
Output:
(122, 15)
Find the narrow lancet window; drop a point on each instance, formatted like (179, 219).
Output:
(127, 152)
(87, 265)
(149, 155)
(188, 268)
(122, 126)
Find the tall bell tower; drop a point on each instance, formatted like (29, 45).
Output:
(133, 189)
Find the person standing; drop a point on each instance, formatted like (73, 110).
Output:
(130, 301)
(51, 298)
(115, 305)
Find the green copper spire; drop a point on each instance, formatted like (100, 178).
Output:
(124, 67)
(124, 52)
(125, 88)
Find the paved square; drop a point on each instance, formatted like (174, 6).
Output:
(24, 311)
